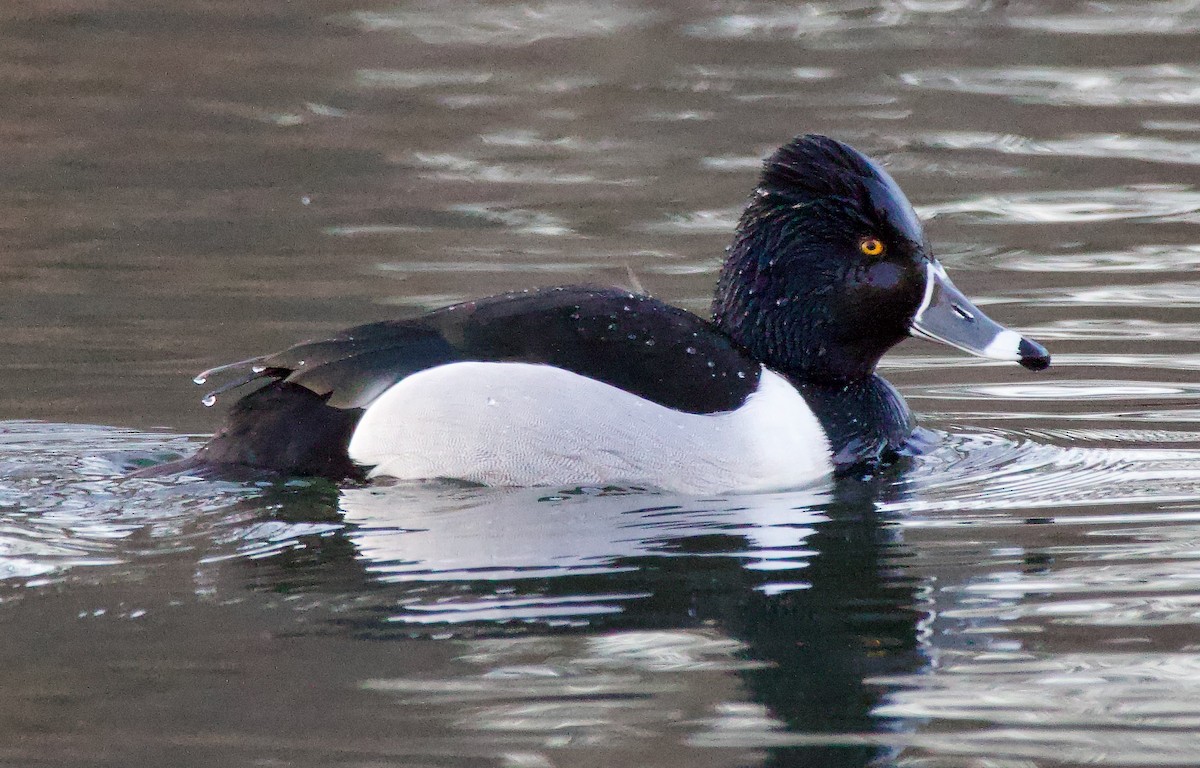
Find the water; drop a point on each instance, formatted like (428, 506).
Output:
(187, 184)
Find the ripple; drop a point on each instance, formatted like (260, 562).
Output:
(504, 25)
(622, 688)
(787, 22)
(450, 167)
(1121, 329)
(528, 139)
(1142, 258)
(64, 504)
(1113, 145)
(750, 73)
(1079, 707)
(697, 222)
(1169, 17)
(1150, 202)
(1157, 85)
(1064, 390)
(1163, 295)
(972, 477)
(424, 78)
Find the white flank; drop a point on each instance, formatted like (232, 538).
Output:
(518, 424)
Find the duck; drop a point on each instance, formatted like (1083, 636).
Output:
(587, 385)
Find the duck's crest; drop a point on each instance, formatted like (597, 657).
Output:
(814, 166)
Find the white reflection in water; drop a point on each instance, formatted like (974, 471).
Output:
(423, 78)
(728, 77)
(1161, 84)
(1091, 708)
(1122, 329)
(822, 20)
(63, 505)
(450, 167)
(416, 533)
(504, 25)
(1151, 202)
(1161, 17)
(1063, 390)
(788, 21)
(1160, 295)
(527, 139)
(697, 222)
(1112, 145)
(970, 478)
(1142, 258)
(644, 692)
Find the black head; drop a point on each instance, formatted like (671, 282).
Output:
(830, 268)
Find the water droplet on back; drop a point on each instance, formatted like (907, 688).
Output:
(209, 400)
(200, 379)
(690, 350)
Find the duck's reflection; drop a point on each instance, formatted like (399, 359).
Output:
(724, 631)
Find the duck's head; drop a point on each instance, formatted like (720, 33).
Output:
(830, 268)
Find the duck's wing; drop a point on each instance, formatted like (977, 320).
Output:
(303, 420)
(636, 343)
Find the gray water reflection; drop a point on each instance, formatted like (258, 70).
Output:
(190, 183)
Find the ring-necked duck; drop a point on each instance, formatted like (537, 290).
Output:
(829, 268)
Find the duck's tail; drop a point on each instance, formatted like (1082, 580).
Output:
(282, 428)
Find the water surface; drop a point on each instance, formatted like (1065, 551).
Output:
(197, 182)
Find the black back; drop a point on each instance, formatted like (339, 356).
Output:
(637, 343)
(302, 421)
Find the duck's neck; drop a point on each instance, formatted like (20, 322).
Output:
(783, 315)
(867, 421)
(784, 318)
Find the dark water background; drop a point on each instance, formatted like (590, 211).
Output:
(193, 182)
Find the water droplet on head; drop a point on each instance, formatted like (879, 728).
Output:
(690, 350)
(631, 336)
(741, 374)
(209, 400)
(258, 368)
(711, 364)
(612, 326)
(491, 401)
(649, 342)
(781, 301)
(200, 379)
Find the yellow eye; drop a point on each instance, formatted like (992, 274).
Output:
(871, 246)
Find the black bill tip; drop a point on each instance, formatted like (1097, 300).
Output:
(1033, 355)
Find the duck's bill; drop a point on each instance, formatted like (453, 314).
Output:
(947, 316)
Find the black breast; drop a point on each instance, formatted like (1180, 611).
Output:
(867, 421)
